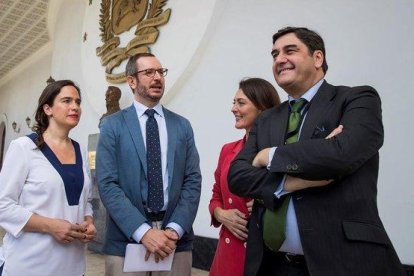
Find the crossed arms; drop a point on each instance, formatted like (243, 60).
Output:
(359, 110)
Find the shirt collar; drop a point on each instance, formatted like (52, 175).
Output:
(310, 93)
(140, 108)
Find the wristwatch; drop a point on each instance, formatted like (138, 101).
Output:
(172, 229)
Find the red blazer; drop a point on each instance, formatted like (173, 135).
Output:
(230, 252)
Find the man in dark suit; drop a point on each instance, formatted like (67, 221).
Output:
(151, 196)
(331, 229)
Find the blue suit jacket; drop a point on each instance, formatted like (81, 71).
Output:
(121, 171)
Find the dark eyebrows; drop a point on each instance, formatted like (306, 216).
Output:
(70, 98)
(290, 47)
(285, 48)
(239, 100)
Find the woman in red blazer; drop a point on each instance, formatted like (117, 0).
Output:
(253, 96)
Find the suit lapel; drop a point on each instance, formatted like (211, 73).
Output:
(318, 108)
(278, 130)
(132, 123)
(172, 128)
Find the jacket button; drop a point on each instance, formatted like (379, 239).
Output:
(289, 167)
(227, 240)
(295, 167)
(230, 200)
(258, 200)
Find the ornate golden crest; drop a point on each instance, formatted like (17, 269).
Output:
(118, 16)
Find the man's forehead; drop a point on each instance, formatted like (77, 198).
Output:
(285, 40)
(148, 61)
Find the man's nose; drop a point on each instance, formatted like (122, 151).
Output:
(281, 58)
(158, 75)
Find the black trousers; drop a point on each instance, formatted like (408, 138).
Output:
(275, 263)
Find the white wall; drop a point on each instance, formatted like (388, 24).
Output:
(367, 42)
(210, 45)
(19, 96)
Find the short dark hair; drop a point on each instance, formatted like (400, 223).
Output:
(47, 97)
(260, 92)
(310, 38)
(132, 68)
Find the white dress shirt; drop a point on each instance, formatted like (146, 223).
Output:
(292, 243)
(162, 128)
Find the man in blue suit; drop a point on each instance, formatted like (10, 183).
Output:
(123, 175)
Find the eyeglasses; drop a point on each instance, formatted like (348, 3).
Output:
(150, 73)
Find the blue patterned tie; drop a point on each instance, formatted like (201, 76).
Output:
(274, 221)
(155, 188)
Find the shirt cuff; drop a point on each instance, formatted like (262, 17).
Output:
(140, 232)
(177, 228)
(280, 190)
(270, 156)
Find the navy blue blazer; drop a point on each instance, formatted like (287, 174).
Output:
(339, 226)
(122, 177)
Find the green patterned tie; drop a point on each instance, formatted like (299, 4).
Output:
(274, 221)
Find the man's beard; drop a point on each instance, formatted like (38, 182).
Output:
(143, 92)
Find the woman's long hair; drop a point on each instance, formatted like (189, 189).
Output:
(260, 92)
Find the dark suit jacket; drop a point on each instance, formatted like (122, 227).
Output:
(121, 171)
(339, 226)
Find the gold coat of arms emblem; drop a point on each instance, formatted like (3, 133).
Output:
(119, 16)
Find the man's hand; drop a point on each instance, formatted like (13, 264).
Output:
(262, 158)
(172, 234)
(293, 184)
(158, 242)
(234, 220)
(335, 132)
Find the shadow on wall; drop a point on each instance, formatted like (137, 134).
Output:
(2, 138)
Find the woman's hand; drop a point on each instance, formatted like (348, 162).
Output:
(234, 220)
(88, 230)
(249, 205)
(63, 231)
